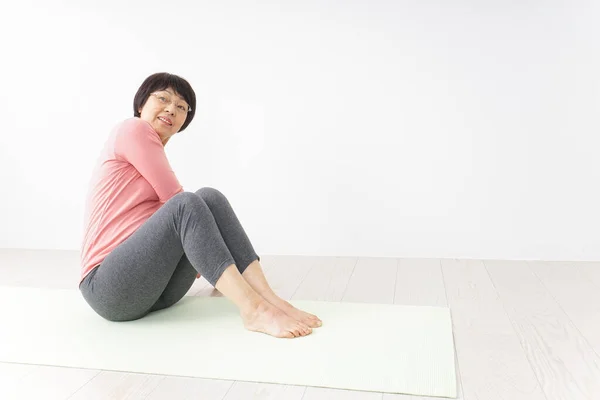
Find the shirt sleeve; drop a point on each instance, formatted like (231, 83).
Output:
(138, 144)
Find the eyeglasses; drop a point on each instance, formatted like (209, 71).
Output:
(165, 99)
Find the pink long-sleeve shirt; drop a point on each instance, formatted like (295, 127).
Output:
(131, 181)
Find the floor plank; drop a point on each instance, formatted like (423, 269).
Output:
(493, 365)
(591, 271)
(373, 281)
(316, 393)
(118, 385)
(419, 282)
(286, 273)
(11, 372)
(327, 280)
(562, 360)
(264, 391)
(570, 286)
(176, 387)
(43, 382)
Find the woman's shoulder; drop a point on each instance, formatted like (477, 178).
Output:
(135, 130)
(133, 122)
(133, 125)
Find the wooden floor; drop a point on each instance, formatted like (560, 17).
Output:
(522, 330)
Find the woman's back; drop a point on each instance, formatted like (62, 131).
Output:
(131, 180)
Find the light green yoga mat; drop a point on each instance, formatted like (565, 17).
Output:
(368, 347)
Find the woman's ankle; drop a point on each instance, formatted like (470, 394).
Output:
(254, 305)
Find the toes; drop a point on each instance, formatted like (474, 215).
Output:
(312, 320)
(313, 323)
(305, 329)
(299, 330)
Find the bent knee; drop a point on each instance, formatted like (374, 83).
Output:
(187, 199)
(211, 195)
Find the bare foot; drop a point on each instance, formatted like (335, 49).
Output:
(309, 319)
(256, 279)
(270, 320)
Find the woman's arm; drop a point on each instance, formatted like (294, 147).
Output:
(138, 144)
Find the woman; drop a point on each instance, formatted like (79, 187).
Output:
(147, 240)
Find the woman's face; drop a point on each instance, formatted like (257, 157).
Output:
(165, 111)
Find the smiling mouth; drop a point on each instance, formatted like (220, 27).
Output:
(166, 121)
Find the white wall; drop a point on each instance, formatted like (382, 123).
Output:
(360, 128)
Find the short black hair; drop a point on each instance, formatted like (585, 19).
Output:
(161, 81)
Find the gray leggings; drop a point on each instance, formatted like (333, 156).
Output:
(156, 266)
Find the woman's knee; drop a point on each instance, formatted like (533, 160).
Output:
(185, 197)
(211, 195)
(188, 199)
